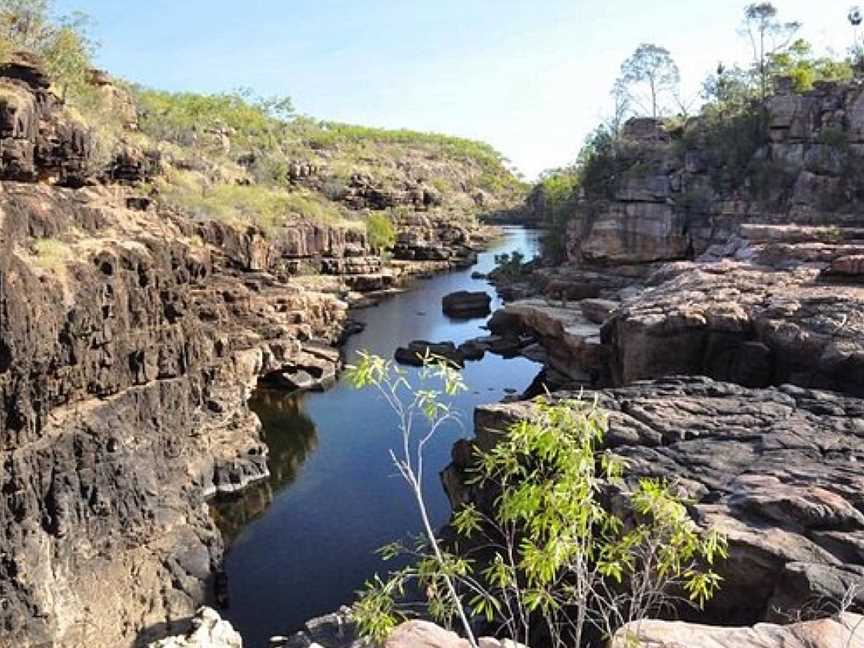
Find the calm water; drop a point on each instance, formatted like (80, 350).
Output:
(303, 542)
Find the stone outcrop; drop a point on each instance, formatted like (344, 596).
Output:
(847, 631)
(774, 469)
(337, 630)
(744, 323)
(209, 630)
(432, 237)
(466, 304)
(128, 349)
(39, 142)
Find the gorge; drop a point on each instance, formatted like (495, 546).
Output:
(184, 277)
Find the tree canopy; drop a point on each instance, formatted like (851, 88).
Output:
(62, 41)
(652, 69)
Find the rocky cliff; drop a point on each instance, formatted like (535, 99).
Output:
(715, 302)
(131, 335)
(749, 273)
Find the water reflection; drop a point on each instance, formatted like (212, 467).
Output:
(291, 436)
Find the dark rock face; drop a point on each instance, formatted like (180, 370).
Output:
(467, 305)
(125, 366)
(38, 142)
(131, 166)
(775, 469)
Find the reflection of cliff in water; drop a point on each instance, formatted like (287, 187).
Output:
(290, 435)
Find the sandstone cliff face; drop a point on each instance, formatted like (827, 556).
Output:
(131, 337)
(748, 274)
(38, 140)
(128, 349)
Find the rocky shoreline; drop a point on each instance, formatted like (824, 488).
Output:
(131, 337)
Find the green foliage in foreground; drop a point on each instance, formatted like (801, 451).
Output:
(556, 558)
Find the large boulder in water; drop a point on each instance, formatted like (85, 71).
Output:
(466, 305)
(417, 351)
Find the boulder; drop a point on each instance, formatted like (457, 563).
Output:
(417, 350)
(467, 305)
(423, 634)
(209, 630)
(504, 323)
(844, 631)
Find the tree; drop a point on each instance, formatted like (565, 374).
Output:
(621, 107)
(25, 23)
(63, 42)
(553, 556)
(652, 66)
(728, 88)
(855, 18)
(768, 37)
(798, 63)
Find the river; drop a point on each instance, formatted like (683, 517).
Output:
(303, 542)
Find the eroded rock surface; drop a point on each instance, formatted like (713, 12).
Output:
(744, 323)
(39, 142)
(777, 470)
(842, 632)
(128, 350)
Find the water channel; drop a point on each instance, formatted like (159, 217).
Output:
(303, 542)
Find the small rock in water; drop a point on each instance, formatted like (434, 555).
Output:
(510, 390)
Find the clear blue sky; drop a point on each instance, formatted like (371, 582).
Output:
(531, 77)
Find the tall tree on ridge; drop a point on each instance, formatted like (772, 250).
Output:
(768, 37)
(654, 67)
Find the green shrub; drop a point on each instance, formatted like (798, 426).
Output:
(183, 117)
(730, 141)
(557, 560)
(267, 208)
(509, 266)
(380, 231)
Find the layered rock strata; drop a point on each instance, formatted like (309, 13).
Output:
(776, 470)
(128, 350)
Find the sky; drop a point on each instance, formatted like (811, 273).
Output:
(530, 77)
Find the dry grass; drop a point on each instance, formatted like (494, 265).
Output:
(52, 254)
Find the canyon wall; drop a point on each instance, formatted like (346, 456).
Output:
(131, 336)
